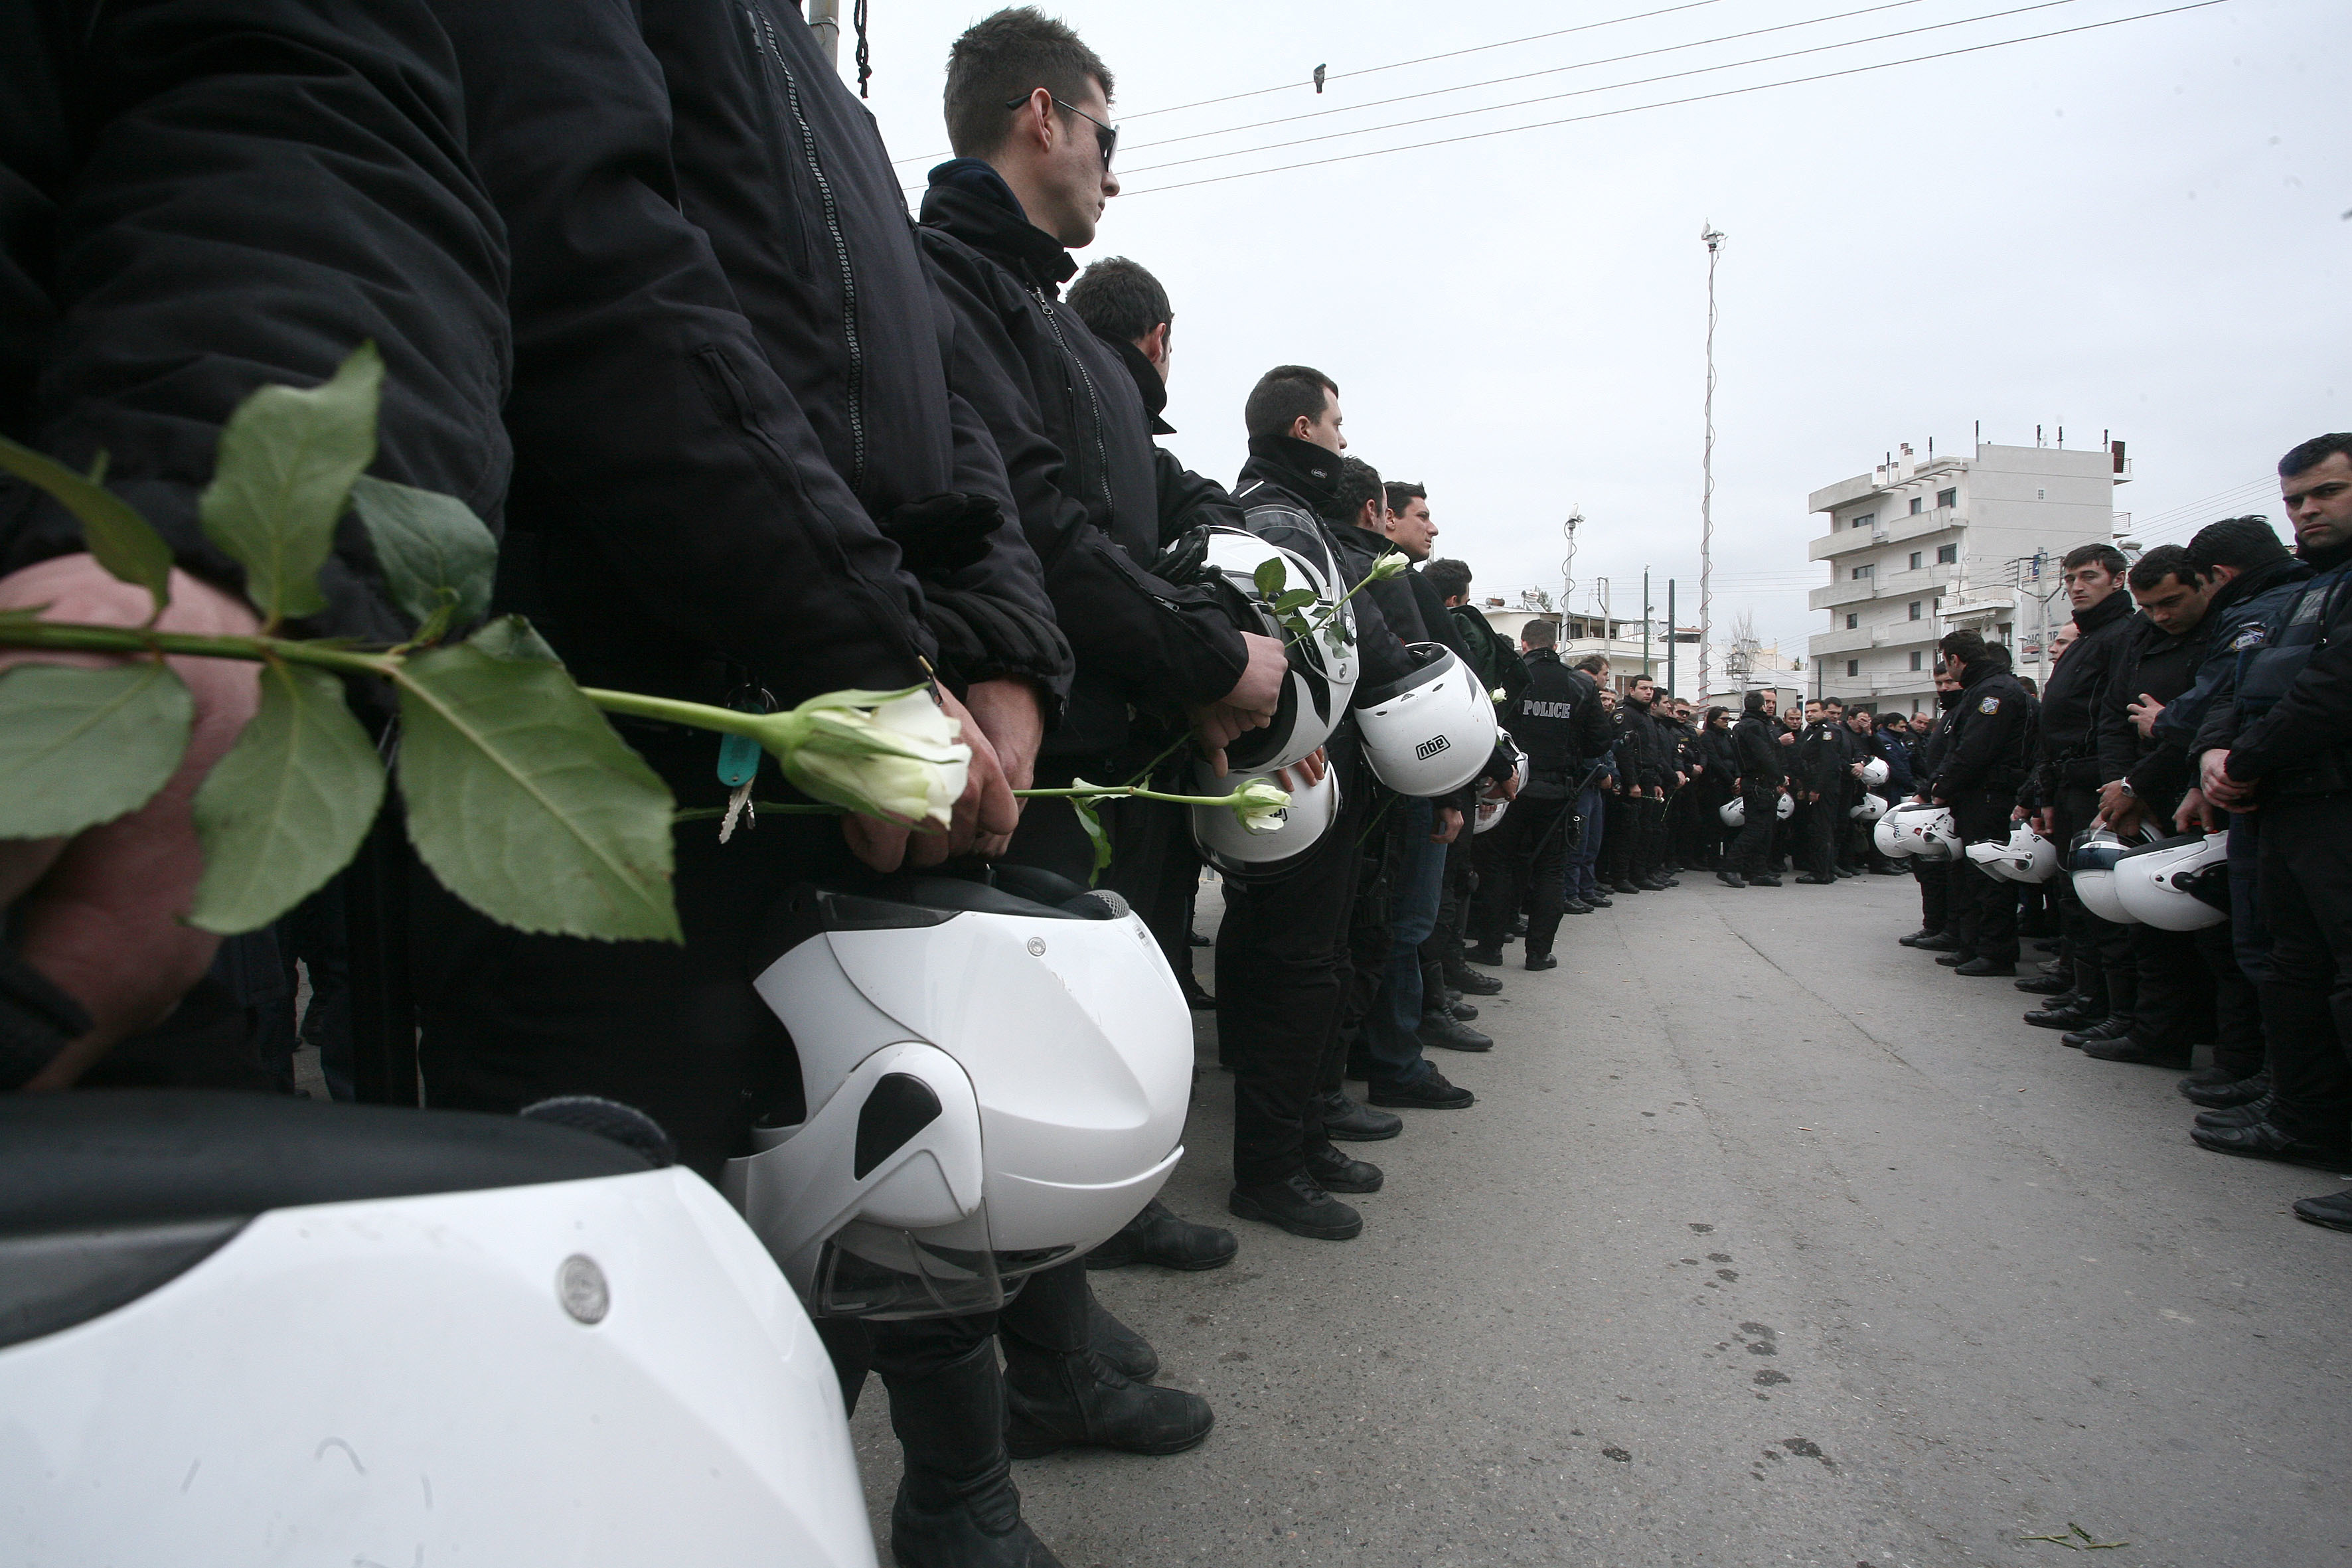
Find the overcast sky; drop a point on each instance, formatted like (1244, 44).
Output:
(2140, 228)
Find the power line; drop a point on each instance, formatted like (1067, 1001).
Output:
(1393, 64)
(1610, 87)
(1676, 103)
(1526, 76)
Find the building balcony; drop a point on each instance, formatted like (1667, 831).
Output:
(1893, 531)
(1926, 580)
(1840, 592)
(1843, 641)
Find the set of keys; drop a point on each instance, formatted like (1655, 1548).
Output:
(739, 761)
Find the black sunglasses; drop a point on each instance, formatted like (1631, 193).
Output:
(1106, 136)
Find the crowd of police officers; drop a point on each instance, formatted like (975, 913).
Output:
(647, 297)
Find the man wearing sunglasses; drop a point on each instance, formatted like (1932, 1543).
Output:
(1027, 108)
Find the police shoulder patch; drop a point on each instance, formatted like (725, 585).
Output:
(2252, 636)
(1989, 705)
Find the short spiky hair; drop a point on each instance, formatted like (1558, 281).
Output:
(2164, 561)
(1120, 300)
(2244, 543)
(1285, 395)
(2105, 556)
(2308, 454)
(1399, 491)
(1450, 577)
(1358, 482)
(1011, 55)
(1540, 633)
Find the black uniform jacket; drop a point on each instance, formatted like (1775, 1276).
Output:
(731, 363)
(1755, 743)
(1558, 719)
(2068, 755)
(1822, 760)
(2160, 665)
(1992, 733)
(1283, 490)
(1068, 415)
(1644, 758)
(201, 198)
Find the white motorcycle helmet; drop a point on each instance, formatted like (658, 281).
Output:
(396, 1336)
(1869, 808)
(1786, 808)
(2177, 884)
(1734, 812)
(2024, 857)
(1323, 667)
(1928, 830)
(2091, 858)
(1429, 731)
(996, 1074)
(1874, 772)
(1242, 855)
(1492, 803)
(1889, 838)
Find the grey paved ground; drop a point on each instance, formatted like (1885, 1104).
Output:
(1827, 1260)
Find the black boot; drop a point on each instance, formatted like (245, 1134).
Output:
(1157, 1235)
(957, 1506)
(1469, 982)
(1120, 1345)
(1073, 1399)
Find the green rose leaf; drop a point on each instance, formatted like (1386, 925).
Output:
(435, 553)
(78, 747)
(287, 457)
(1294, 599)
(1090, 819)
(287, 808)
(526, 804)
(511, 637)
(1270, 575)
(120, 538)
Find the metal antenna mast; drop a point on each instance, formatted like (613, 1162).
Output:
(1568, 561)
(1712, 237)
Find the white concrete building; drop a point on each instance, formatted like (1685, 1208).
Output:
(1919, 547)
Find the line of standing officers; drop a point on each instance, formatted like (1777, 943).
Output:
(2201, 689)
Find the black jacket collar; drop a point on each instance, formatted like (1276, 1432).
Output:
(1149, 384)
(970, 200)
(1305, 472)
(2327, 559)
(2256, 580)
(2114, 607)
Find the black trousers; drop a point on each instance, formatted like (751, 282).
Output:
(2238, 1041)
(1283, 974)
(1751, 852)
(1982, 910)
(1531, 863)
(2306, 870)
(1817, 839)
(1629, 846)
(1934, 894)
(2097, 949)
(2172, 1005)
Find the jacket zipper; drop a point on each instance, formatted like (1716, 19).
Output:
(1102, 455)
(764, 38)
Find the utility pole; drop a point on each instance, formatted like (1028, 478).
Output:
(1568, 561)
(1672, 639)
(1645, 624)
(1712, 237)
(825, 21)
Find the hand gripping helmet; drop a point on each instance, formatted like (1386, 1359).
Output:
(1869, 808)
(1492, 803)
(1888, 837)
(1430, 730)
(2091, 858)
(2025, 857)
(1928, 830)
(1253, 577)
(1874, 771)
(1245, 855)
(1734, 812)
(1786, 807)
(2177, 884)
(995, 1072)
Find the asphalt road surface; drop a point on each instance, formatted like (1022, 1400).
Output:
(1768, 1242)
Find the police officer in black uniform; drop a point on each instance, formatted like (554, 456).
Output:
(1756, 742)
(1928, 752)
(1558, 719)
(1979, 778)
